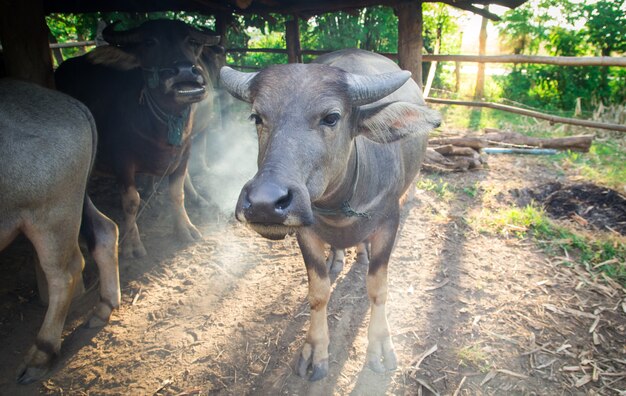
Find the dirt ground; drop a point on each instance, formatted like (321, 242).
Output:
(471, 313)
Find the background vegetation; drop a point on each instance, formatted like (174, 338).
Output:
(547, 27)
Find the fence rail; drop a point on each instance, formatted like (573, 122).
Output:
(546, 60)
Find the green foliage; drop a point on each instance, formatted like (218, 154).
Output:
(606, 24)
(342, 30)
(564, 28)
(440, 187)
(604, 163)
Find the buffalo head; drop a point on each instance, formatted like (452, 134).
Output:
(167, 51)
(307, 117)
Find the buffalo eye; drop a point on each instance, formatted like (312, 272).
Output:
(331, 119)
(256, 118)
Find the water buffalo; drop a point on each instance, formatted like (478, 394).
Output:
(340, 141)
(48, 145)
(142, 90)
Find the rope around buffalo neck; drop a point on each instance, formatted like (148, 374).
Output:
(346, 209)
(175, 123)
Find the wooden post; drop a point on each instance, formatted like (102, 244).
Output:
(24, 37)
(410, 40)
(222, 21)
(479, 91)
(292, 35)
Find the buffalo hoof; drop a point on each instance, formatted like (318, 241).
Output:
(380, 364)
(133, 250)
(28, 375)
(318, 371)
(189, 233)
(35, 367)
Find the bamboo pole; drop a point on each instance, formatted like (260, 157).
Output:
(532, 113)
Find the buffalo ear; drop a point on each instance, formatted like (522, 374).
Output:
(389, 122)
(112, 56)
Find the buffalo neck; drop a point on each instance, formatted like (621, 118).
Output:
(338, 202)
(176, 122)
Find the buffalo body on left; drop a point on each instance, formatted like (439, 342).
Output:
(47, 146)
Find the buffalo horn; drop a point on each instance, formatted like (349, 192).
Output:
(237, 83)
(121, 38)
(206, 36)
(368, 89)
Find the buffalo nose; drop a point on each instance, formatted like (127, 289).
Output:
(187, 68)
(267, 203)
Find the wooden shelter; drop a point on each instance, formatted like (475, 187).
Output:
(24, 35)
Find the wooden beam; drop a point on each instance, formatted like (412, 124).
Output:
(24, 36)
(410, 41)
(546, 60)
(531, 113)
(292, 35)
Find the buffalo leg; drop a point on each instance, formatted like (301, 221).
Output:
(315, 350)
(184, 229)
(62, 263)
(336, 260)
(131, 242)
(380, 352)
(337, 257)
(101, 234)
(192, 193)
(42, 283)
(363, 253)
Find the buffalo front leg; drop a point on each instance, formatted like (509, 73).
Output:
(183, 227)
(131, 242)
(314, 353)
(381, 355)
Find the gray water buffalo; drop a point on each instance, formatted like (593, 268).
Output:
(340, 141)
(142, 90)
(48, 145)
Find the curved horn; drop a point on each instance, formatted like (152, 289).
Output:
(237, 83)
(368, 89)
(206, 36)
(120, 38)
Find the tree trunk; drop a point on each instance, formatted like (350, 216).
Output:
(479, 91)
(495, 137)
(410, 41)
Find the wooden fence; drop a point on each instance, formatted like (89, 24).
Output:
(547, 60)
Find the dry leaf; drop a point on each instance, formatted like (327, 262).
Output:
(582, 381)
(490, 375)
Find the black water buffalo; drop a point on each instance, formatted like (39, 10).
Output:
(340, 141)
(48, 145)
(142, 90)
